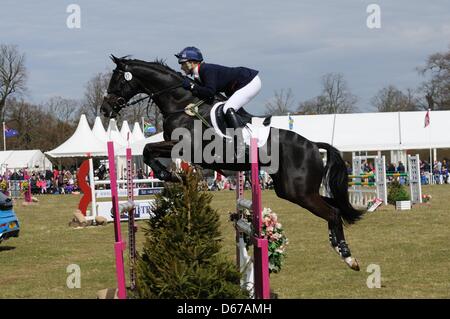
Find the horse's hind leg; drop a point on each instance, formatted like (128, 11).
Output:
(337, 237)
(323, 207)
(331, 232)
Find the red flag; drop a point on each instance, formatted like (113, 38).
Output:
(427, 118)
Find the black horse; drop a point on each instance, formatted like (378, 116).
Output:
(300, 168)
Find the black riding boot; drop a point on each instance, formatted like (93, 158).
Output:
(240, 151)
(232, 119)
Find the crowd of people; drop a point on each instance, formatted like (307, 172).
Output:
(55, 181)
(42, 182)
(65, 181)
(438, 174)
(220, 182)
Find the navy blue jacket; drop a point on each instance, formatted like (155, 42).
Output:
(217, 78)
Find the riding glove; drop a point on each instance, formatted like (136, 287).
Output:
(188, 84)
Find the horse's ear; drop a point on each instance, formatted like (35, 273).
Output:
(115, 59)
(120, 62)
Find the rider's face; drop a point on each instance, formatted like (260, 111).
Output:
(187, 67)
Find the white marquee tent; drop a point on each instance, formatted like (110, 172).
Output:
(81, 143)
(125, 130)
(30, 159)
(373, 131)
(99, 130)
(138, 135)
(85, 141)
(113, 134)
(391, 131)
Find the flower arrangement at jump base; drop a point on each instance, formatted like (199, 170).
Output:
(24, 186)
(4, 186)
(271, 230)
(426, 198)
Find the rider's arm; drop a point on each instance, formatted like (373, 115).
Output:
(207, 89)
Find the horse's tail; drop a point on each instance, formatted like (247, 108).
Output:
(336, 182)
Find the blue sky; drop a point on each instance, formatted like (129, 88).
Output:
(292, 43)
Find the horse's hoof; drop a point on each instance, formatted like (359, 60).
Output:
(352, 263)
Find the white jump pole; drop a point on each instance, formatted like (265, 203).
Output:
(92, 184)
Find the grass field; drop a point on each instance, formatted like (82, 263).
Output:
(411, 248)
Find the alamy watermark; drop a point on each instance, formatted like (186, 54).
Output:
(74, 278)
(374, 19)
(73, 21)
(374, 279)
(199, 146)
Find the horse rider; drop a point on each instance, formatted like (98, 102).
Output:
(240, 84)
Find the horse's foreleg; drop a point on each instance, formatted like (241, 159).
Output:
(337, 240)
(155, 150)
(323, 207)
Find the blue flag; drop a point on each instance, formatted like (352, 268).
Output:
(148, 128)
(9, 132)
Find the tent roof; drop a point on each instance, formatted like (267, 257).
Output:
(99, 130)
(138, 135)
(372, 131)
(113, 134)
(94, 141)
(124, 130)
(81, 143)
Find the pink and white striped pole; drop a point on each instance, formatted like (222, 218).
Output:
(119, 245)
(131, 223)
(260, 245)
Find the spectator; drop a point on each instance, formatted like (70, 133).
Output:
(140, 174)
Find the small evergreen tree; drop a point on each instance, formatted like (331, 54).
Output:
(397, 192)
(181, 258)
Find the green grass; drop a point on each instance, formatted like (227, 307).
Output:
(411, 247)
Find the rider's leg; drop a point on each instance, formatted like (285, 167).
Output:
(239, 99)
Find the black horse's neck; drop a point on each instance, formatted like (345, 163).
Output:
(156, 77)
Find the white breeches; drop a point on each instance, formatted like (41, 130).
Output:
(243, 95)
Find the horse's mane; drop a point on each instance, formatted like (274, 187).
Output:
(158, 63)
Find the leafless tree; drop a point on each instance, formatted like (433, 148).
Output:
(37, 127)
(281, 103)
(335, 97)
(93, 96)
(142, 110)
(338, 97)
(436, 90)
(13, 74)
(93, 99)
(391, 99)
(317, 105)
(63, 109)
